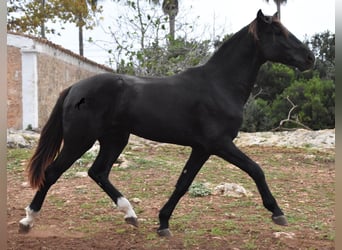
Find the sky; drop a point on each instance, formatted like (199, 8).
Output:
(302, 17)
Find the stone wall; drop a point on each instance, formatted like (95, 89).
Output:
(14, 79)
(38, 71)
(52, 80)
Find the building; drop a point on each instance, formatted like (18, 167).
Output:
(38, 70)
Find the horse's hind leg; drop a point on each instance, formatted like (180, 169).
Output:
(232, 154)
(111, 147)
(65, 159)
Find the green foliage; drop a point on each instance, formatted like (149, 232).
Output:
(323, 46)
(144, 47)
(273, 78)
(256, 116)
(315, 107)
(198, 189)
(165, 61)
(30, 17)
(315, 100)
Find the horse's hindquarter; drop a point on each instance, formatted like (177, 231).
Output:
(91, 104)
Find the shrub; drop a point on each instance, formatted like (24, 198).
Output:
(199, 190)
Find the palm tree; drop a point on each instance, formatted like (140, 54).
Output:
(83, 12)
(42, 25)
(278, 3)
(170, 8)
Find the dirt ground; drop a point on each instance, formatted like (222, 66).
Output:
(78, 215)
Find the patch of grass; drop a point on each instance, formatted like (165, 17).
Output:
(88, 229)
(102, 217)
(81, 165)
(151, 236)
(199, 190)
(17, 159)
(217, 231)
(86, 159)
(87, 205)
(231, 227)
(250, 244)
(105, 201)
(57, 201)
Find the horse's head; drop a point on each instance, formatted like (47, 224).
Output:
(277, 44)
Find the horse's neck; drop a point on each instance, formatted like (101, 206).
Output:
(236, 64)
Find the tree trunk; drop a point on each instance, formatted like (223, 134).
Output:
(172, 28)
(80, 39)
(42, 25)
(170, 8)
(278, 9)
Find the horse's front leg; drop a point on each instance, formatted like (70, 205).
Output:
(197, 158)
(229, 152)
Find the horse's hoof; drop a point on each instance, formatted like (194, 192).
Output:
(24, 228)
(132, 221)
(164, 232)
(280, 220)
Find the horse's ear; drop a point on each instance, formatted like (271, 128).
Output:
(260, 15)
(262, 18)
(276, 15)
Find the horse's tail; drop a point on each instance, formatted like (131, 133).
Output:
(49, 144)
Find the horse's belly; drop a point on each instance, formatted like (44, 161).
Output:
(167, 132)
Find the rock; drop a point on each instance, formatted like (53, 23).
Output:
(21, 138)
(136, 200)
(81, 174)
(287, 235)
(123, 162)
(320, 140)
(231, 189)
(25, 184)
(16, 141)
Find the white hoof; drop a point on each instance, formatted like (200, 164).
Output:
(125, 206)
(26, 223)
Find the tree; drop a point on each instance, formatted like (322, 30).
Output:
(273, 78)
(81, 12)
(135, 29)
(170, 8)
(315, 101)
(323, 46)
(141, 46)
(30, 17)
(278, 3)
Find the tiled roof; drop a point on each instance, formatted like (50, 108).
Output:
(60, 48)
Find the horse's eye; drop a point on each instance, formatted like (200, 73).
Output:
(277, 30)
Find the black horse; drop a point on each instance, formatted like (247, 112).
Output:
(200, 108)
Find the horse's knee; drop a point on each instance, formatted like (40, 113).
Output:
(94, 175)
(91, 173)
(98, 176)
(257, 173)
